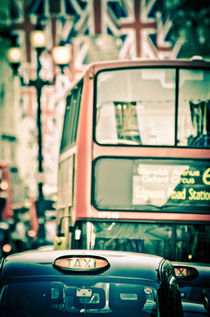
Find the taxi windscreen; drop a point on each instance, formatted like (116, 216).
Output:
(77, 296)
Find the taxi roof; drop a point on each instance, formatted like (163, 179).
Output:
(126, 264)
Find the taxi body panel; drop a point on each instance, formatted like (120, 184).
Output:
(40, 263)
(88, 283)
(194, 291)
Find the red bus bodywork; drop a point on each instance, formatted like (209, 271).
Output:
(88, 150)
(85, 151)
(5, 192)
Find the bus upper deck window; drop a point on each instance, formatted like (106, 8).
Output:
(136, 107)
(194, 108)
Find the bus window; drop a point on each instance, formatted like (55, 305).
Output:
(77, 109)
(127, 123)
(143, 184)
(71, 117)
(65, 141)
(194, 108)
(186, 243)
(65, 183)
(136, 105)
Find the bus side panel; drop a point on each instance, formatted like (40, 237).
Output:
(6, 210)
(84, 151)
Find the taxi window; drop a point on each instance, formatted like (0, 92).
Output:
(78, 296)
(194, 293)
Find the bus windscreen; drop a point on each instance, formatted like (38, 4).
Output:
(174, 241)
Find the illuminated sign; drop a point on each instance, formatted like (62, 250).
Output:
(81, 263)
(184, 272)
(159, 184)
(206, 177)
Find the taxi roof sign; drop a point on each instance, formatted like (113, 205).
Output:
(81, 263)
(185, 272)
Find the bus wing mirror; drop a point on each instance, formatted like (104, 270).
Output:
(60, 243)
(59, 228)
(59, 233)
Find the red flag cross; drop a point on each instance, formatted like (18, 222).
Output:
(97, 16)
(26, 26)
(138, 26)
(105, 19)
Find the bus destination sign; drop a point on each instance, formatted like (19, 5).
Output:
(171, 184)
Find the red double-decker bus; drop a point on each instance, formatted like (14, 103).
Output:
(134, 171)
(5, 192)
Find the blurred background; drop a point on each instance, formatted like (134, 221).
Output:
(33, 85)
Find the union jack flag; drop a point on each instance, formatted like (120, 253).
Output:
(139, 25)
(96, 20)
(144, 31)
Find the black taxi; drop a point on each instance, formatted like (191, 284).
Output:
(194, 285)
(88, 283)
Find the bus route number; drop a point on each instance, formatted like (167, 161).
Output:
(108, 215)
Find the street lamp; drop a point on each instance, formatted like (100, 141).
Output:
(61, 56)
(38, 41)
(15, 55)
